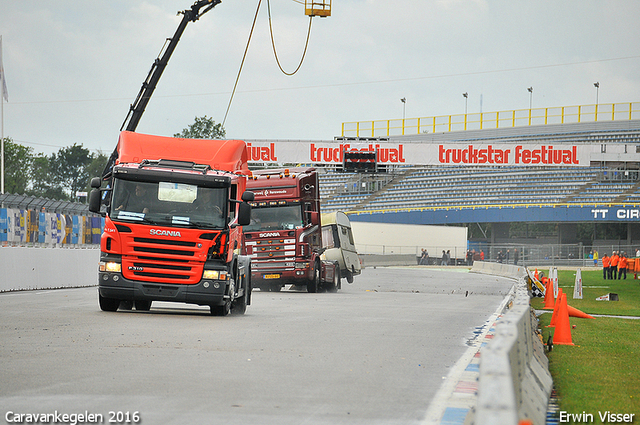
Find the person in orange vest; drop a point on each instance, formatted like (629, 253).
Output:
(613, 268)
(606, 262)
(622, 266)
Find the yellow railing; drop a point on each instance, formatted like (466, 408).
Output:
(486, 120)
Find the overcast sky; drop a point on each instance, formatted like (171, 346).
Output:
(73, 67)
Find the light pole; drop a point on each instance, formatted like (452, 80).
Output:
(466, 98)
(597, 86)
(530, 90)
(404, 105)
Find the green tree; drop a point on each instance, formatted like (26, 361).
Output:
(17, 162)
(203, 128)
(43, 181)
(95, 167)
(69, 166)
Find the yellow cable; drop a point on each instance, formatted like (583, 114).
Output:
(274, 44)
(242, 63)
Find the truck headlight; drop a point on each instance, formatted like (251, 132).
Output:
(214, 275)
(110, 266)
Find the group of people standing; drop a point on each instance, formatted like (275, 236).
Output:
(615, 266)
(504, 257)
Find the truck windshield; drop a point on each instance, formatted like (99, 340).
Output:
(275, 218)
(170, 204)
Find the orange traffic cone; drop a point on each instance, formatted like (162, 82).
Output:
(562, 335)
(574, 312)
(548, 294)
(554, 316)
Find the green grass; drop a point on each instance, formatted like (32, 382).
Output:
(601, 371)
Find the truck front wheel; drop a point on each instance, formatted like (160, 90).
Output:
(108, 304)
(142, 305)
(221, 310)
(314, 284)
(239, 305)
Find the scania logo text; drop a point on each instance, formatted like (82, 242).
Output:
(269, 235)
(158, 232)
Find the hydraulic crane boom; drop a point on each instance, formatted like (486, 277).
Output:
(149, 85)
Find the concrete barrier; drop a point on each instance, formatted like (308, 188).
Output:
(499, 269)
(26, 268)
(514, 381)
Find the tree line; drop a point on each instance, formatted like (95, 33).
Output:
(57, 176)
(70, 170)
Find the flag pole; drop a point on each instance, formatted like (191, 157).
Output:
(2, 95)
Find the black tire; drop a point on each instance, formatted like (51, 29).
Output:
(108, 304)
(336, 279)
(126, 305)
(349, 277)
(313, 286)
(276, 287)
(221, 310)
(239, 305)
(142, 305)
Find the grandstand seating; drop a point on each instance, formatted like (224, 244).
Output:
(435, 186)
(469, 186)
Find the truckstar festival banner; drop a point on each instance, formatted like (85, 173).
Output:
(420, 153)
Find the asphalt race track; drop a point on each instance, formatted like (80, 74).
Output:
(376, 352)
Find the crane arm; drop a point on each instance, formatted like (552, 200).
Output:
(149, 85)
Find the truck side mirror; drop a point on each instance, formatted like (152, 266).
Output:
(248, 196)
(314, 218)
(244, 213)
(94, 199)
(96, 182)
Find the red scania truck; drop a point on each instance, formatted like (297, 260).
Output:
(174, 211)
(284, 239)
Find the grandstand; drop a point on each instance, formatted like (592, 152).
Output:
(612, 177)
(455, 186)
(604, 191)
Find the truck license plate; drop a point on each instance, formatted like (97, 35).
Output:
(272, 276)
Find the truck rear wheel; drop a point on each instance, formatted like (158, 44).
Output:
(108, 304)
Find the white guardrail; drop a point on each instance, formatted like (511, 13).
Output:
(26, 268)
(514, 381)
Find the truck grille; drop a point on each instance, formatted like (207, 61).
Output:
(269, 249)
(162, 260)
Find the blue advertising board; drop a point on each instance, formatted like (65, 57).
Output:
(505, 214)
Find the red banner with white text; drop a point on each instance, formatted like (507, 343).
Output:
(420, 153)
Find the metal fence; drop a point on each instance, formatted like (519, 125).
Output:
(574, 255)
(41, 222)
(25, 202)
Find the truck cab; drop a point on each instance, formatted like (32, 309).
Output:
(284, 238)
(173, 214)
